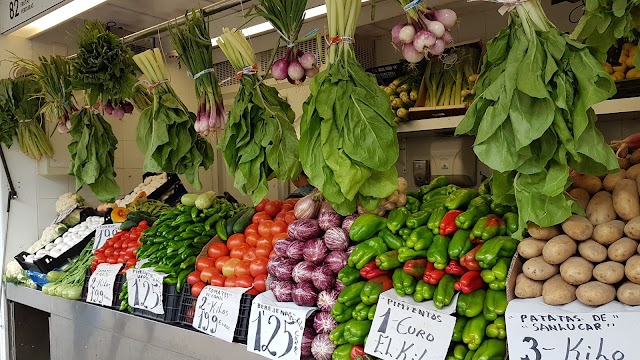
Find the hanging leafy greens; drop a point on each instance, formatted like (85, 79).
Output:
(25, 108)
(532, 129)
(8, 123)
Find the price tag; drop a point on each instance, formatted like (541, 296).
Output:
(217, 311)
(101, 282)
(145, 290)
(104, 233)
(405, 329)
(275, 328)
(536, 331)
(64, 214)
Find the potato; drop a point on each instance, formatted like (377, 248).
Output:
(622, 249)
(591, 183)
(609, 232)
(595, 293)
(629, 293)
(530, 248)
(578, 228)
(527, 288)
(592, 251)
(556, 291)
(581, 196)
(631, 269)
(626, 201)
(576, 270)
(635, 157)
(632, 228)
(538, 269)
(541, 233)
(633, 171)
(559, 249)
(624, 164)
(610, 181)
(609, 272)
(600, 208)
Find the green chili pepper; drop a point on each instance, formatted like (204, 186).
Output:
(495, 304)
(349, 275)
(492, 250)
(388, 260)
(498, 329)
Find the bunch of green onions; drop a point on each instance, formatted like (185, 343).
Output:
(193, 45)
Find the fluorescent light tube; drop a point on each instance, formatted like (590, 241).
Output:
(56, 17)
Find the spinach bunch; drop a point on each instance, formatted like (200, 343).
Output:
(533, 119)
(8, 123)
(92, 151)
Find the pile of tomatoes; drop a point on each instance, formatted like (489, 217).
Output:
(242, 260)
(120, 249)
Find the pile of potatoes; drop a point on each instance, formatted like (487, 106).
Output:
(594, 259)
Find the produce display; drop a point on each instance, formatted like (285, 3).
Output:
(68, 283)
(68, 239)
(625, 67)
(259, 140)
(121, 248)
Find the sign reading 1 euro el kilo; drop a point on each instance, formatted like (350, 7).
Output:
(17, 13)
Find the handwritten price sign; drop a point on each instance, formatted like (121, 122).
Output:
(104, 233)
(407, 330)
(217, 311)
(536, 331)
(101, 282)
(275, 328)
(145, 290)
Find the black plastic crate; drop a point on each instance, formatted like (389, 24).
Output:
(386, 74)
(172, 180)
(627, 88)
(117, 288)
(187, 311)
(171, 304)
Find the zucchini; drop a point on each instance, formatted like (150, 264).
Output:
(244, 221)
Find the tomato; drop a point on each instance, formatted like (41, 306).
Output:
(138, 243)
(131, 262)
(220, 262)
(121, 260)
(244, 281)
(196, 288)
(229, 267)
(260, 217)
(193, 277)
(112, 260)
(260, 283)
(217, 249)
(207, 273)
(235, 240)
(258, 266)
(143, 224)
(261, 204)
(230, 281)
(264, 241)
(252, 239)
(109, 243)
(108, 251)
(242, 268)
(263, 250)
(101, 257)
(291, 201)
(126, 258)
(251, 229)
(279, 217)
(238, 251)
(290, 217)
(204, 262)
(94, 262)
(264, 228)
(279, 227)
(250, 254)
(287, 208)
(217, 280)
(118, 244)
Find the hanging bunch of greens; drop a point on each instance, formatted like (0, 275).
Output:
(56, 95)
(348, 142)
(531, 130)
(259, 140)
(165, 132)
(92, 151)
(193, 44)
(104, 69)
(8, 123)
(25, 108)
(606, 21)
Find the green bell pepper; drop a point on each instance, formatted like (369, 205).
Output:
(356, 331)
(348, 275)
(511, 219)
(342, 313)
(457, 353)
(471, 304)
(436, 218)
(342, 352)
(350, 295)
(418, 219)
(492, 250)
(374, 287)
(468, 219)
(337, 335)
(495, 304)
(459, 244)
(491, 349)
(444, 292)
(366, 226)
(397, 218)
(436, 183)
(366, 251)
(460, 198)
(388, 260)
(470, 355)
(361, 312)
(438, 252)
(405, 254)
(496, 277)
(372, 312)
(500, 209)
(481, 200)
(424, 291)
(473, 333)
(489, 226)
(420, 238)
(433, 203)
(403, 283)
(461, 322)
(485, 186)
(405, 233)
(393, 242)
(498, 329)
(413, 204)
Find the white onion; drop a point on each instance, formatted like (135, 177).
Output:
(423, 40)
(411, 54)
(436, 28)
(447, 17)
(295, 71)
(407, 33)
(437, 48)
(395, 34)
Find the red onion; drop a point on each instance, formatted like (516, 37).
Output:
(423, 40)
(447, 37)
(435, 27)
(311, 72)
(407, 33)
(308, 61)
(411, 54)
(322, 348)
(304, 294)
(295, 70)
(303, 272)
(395, 34)
(315, 251)
(437, 48)
(279, 70)
(446, 17)
(118, 113)
(323, 278)
(108, 109)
